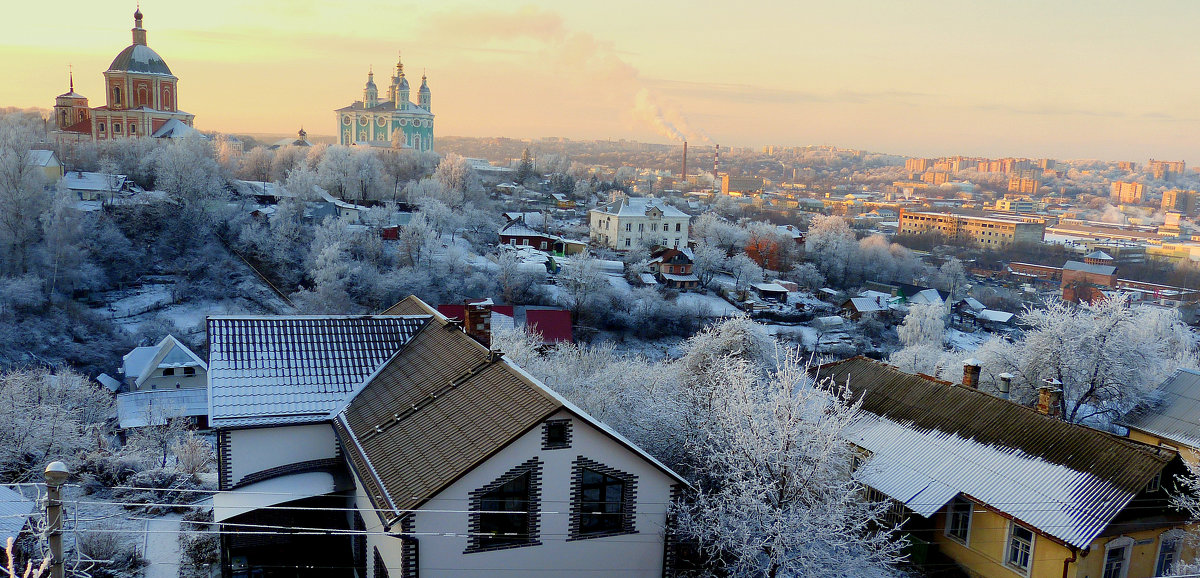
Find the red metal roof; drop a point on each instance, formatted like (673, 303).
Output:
(554, 325)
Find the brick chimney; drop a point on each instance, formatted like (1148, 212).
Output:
(971, 370)
(1005, 385)
(478, 322)
(1050, 397)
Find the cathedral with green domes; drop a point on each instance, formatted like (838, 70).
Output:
(394, 121)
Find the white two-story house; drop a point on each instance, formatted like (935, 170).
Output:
(628, 222)
(423, 452)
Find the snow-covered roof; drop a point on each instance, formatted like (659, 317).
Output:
(638, 206)
(927, 296)
(338, 202)
(928, 444)
(141, 59)
(518, 228)
(109, 382)
(1089, 268)
(974, 304)
(868, 304)
(174, 128)
(1176, 414)
(769, 287)
(15, 510)
(169, 352)
(994, 316)
(257, 188)
(648, 278)
(270, 492)
(531, 218)
(682, 278)
(83, 181)
(1098, 254)
(880, 295)
(41, 158)
(154, 407)
(265, 370)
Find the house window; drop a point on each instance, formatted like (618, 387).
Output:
(189, 371)
(628, 227)
(1116, 558)
(169, 371)
(381, 570)
(1168, 552)
(677, 225)
(958, 519)
(505, 512)
(101, 127)
(654, 227)
(556, 434)
(1155, 483)
(626, 241)
(1020, 547)
(132, 128)
(116, 127)
(543, 245)
(602, 501)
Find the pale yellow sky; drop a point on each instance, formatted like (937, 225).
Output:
(1067, 79)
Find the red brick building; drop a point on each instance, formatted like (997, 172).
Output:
(141, 96)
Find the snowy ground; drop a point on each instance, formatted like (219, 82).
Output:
(714, 305)
(161, 546)
(962, 341)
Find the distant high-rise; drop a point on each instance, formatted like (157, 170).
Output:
(1179, 201)
(1166, 170)
(1128, 193)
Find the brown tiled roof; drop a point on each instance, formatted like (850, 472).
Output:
(409, 306)
(443, 405)
(930, 404)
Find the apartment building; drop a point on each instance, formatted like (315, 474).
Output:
(1128, 193)
(1166, 170)
(1025, 186)
(1179, 201)
(988, 232)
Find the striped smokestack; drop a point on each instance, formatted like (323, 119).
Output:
(716, 168)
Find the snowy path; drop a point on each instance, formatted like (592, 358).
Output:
(162, 547)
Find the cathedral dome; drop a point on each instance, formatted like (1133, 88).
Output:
(139, 58)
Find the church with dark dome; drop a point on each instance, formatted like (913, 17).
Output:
(142, 98)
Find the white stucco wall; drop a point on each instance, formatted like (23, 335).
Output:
(159, 381)
(255, 450)
(442, 523)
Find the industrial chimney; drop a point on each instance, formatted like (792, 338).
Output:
(716, 169)
(684, 173)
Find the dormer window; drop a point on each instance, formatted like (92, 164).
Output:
(169, 371)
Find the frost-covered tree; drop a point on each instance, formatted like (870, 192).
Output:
(924, 324)
(744, 271)
(187, 170)
(806, 276)
(46, 416)
(708, 262)
(456, 174)
(951, 277)
(831, 245)
(337, 171)
(21, 196)
(710, 229)
(775, 494)
(582, 283)
(1108, 356)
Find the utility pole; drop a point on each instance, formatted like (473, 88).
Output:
(56, 475)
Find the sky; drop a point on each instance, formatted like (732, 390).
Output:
(1065, 79)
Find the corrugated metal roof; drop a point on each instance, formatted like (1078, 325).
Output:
(1066, 480)
(154, 407)
(1176, 416)
(14, 513)
(295, 369)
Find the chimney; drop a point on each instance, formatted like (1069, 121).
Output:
(1050, 397)
(1005, 385)
(685, 161)
(971, 370)
(478, 322)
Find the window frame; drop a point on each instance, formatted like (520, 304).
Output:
(1008, 544)
(965, 538)
(478, 540)
(1170, 536)
(627, 509)
(1124, 543)
(548, 443)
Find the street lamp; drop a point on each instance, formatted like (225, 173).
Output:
(56, 476)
